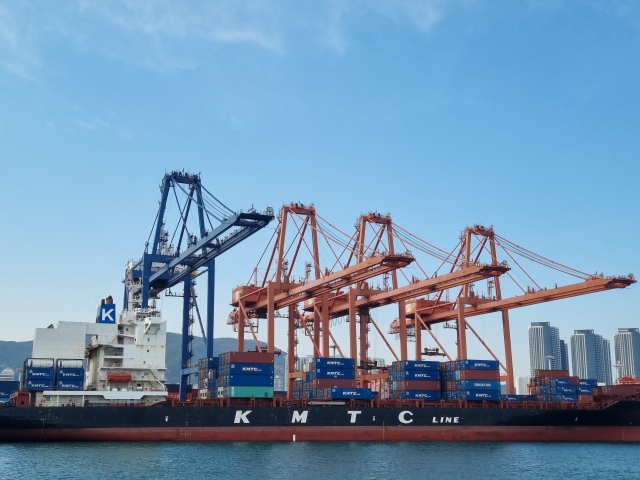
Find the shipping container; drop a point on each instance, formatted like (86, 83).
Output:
(584, 390)
(562, 390)
(415, 375)
(248, 392)
(491, 395)
(418, 394)
(246, 369)
(415, 385)
(333, 362)
(69, 385)
(8, 387)
(246, 380)
(474, 385)
(477, 365)
(518, 398)
(70, 374)
(73, 363)
(208, 362)
(38, 385)
(561, 381)
(39, 363)
(246, 357)
(473, 375)
(414, 365)
(332, 373)
(588, 382)
(39, 373)
(344, 393)
(564, 398)
(331, 383)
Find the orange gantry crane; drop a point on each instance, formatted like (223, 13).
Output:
(421, 314)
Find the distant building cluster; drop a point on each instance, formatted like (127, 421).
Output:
(590, 354)
(7, 375)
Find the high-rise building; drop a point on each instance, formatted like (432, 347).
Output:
(564, 356)
(603, 354)
(627, 346)
(591, 356)
(521, 385)
(545, 352)
(7, 375)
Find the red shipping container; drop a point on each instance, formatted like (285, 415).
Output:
(575, 381)
(247, 357)
(333, 383)
(417, 385)
(619, 390)
(552, 373)
(585, 398)
(478, 374)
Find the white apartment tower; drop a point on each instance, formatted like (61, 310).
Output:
(627, 346)
(591, 356)
(545, 351)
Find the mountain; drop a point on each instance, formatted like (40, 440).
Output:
(13, 354)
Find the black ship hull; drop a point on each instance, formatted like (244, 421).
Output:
(619, 422)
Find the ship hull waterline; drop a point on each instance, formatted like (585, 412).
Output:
(328, 434)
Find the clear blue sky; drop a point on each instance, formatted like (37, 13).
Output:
(519, 114)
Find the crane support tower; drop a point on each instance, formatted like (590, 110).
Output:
(164, 265)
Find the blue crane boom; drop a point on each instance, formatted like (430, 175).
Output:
(166, 266)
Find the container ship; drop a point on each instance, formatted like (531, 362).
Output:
(105, 380)
(125, 398)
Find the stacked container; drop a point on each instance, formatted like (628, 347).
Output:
(69, 374)
(208, 377)
(414, 380)
(331, 377)
(39, 374)
(554, 386)
(245, 375)
(471, 380)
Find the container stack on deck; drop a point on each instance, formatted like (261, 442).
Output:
(246, 375)
(39, 374)
(8, 387)
(70, 374)
(330, 378)
(208, 377)
(471, 380)
(414, 380)
(554, 386)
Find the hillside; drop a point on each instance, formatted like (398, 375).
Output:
(13, 354)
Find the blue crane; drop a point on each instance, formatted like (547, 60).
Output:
(164, 264)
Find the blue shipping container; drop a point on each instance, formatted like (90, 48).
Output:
(585, 390)
(519, 398)
(333, 373)
(249, 369)
(588, 382)
(562, 390)
(561, 382)
(418, 394)
(69, 385)
(344, 393)
(248, 381)
(478, 385)
(7, 388)
(38, 385)
(35, 373)
(70, 374)
(564, 398)
(333, 362)
(416, 365)
(492, 395)
(477, 365)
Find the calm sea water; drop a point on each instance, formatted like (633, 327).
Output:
(316, 460)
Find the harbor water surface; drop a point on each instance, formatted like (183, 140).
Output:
(320, 460)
